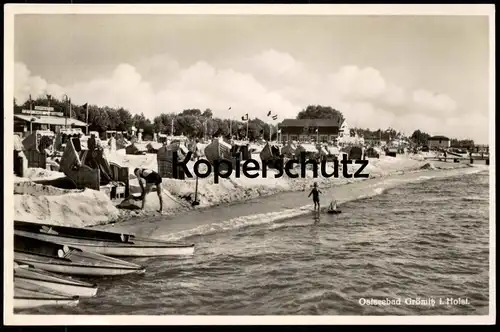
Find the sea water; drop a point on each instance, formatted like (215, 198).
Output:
(410, 243)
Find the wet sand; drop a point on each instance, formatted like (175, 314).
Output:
(161, 225)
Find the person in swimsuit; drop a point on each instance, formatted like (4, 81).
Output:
(152, 179)
(315, 193)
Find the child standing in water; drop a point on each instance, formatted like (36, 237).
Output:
(315, 193)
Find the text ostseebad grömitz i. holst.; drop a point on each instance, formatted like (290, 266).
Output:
(418, 301)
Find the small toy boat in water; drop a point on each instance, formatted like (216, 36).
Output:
(332, 209)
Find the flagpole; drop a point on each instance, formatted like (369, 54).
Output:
(317, 135)
(247, 127)
(230, 126)
(87, 118)
(66, 113)
(31, 114)
(172, 128)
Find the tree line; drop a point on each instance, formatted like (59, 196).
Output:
(198, 123)
(189, 122)
(422, 138)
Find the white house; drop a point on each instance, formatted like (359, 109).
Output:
(344, 129)
(442, 142)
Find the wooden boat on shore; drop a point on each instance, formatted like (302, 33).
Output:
(54, 282)
(28, 295)
(102, 242)
(58, 258)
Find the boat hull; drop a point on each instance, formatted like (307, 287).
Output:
(73, 269)
(54, 257)
(30, 303)
(28, 295)
(134, 251)
(105, 243)
(54, 282)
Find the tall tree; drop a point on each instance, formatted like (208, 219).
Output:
(208, 113)
(419, 137)
(320, 112)
(192, 112)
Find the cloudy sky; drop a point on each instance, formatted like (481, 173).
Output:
(428, 73)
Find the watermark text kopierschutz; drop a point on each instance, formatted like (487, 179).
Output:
(224, 168)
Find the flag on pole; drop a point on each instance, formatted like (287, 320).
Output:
(275, 117)
(86, 107)
(269, 113)
(245, 117)
(316, 130)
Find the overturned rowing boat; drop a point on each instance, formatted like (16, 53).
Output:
(28, 295)
(54, 257)
(54, 282)
(102, 242)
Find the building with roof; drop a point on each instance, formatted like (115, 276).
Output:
(441, 142)
(345, 130)
(372, 140)
(43, 118)
(310, 130)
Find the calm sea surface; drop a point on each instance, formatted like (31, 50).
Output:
(419, 240)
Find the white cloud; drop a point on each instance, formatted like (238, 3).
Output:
(273, 64)
(471, 125)
(267, 81)
(356, 83)
(432, 102)
(394, 95)
(26, 85)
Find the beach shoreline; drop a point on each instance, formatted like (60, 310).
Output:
(271, 209)
(87, 208)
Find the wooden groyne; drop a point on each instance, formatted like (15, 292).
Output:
(453, 159)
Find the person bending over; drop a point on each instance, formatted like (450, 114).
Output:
(151, 178)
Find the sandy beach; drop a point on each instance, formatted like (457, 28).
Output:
(176, 163)
(45, 203)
